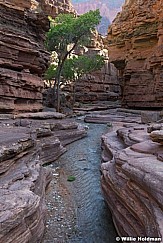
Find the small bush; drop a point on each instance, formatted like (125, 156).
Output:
(71, 178)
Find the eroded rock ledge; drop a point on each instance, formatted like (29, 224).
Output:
(25, 146)
(132, 178)
(23, 58)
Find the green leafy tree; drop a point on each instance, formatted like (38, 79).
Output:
(65, 34)
(50, 74)
(74, 68)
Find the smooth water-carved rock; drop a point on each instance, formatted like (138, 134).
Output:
(23, 179)
(132, 180)
(135, 41)
(41, 115)
(22, 192)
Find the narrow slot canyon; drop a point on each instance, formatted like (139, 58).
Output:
(81, 121)
(90, 220)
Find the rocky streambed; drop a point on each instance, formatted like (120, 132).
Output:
(82, 214)
(77, 211)
(32, 154)
(26, 145)
(131, 181)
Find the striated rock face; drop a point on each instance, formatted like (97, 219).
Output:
(132, 178)
(101, 85)
(23, 179)
(23, 58)
(135, 42)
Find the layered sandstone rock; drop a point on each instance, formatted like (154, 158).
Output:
(132, 178)
(101, 85)
(135, 42)
(23, 59)
(54, 7)
(114, 115)
(24, 148)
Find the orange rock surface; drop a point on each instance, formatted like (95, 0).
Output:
(135, 42)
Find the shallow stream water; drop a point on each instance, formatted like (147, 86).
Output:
(93, 221)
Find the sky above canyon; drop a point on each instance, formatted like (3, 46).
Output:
(108, 10)
(109, 3)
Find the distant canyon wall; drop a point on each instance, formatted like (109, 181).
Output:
(135, 43)
(108, 10)
(23, 58)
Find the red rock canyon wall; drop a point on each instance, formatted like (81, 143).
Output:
(23, 58)
(135, 42)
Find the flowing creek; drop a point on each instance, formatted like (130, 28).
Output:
(77, 212)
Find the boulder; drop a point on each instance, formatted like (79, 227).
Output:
(157, 136)
(150, 116)
(154, 127)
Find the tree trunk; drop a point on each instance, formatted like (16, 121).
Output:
(58, 95)
(58, 86)
(74, 91)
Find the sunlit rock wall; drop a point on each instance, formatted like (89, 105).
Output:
(135, 43)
